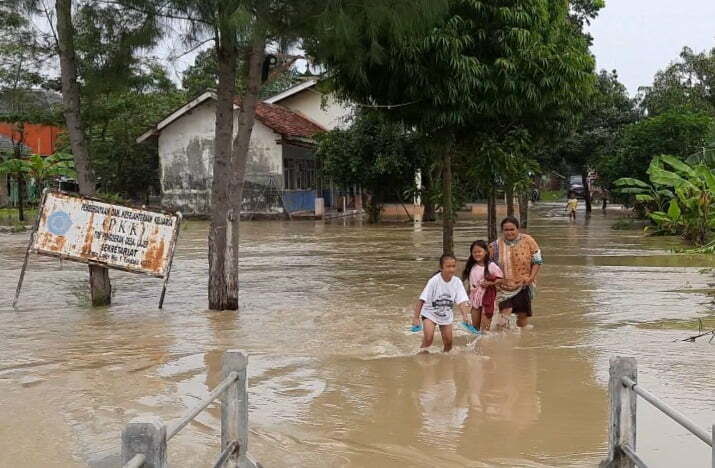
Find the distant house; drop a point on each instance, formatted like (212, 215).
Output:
(281, 171)
(36, 138)
(33, 138)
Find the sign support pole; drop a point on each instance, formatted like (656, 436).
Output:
(171, 258)
(29, 247)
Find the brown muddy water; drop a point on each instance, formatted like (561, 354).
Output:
(334, 379)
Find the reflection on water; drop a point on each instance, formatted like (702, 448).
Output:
(334, 379)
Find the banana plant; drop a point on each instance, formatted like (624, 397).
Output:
(688, 192)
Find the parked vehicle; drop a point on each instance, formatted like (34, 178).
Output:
(576, 186)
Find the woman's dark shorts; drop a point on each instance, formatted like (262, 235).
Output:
(519, 304)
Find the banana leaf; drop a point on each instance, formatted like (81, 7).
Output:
(628, 181)
(674, 210)
(678, 165)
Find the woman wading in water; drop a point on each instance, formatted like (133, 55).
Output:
(519, 257)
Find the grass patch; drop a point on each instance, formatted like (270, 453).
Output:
(10, 216)
(684, 325)
(625, 224)
(553, 195)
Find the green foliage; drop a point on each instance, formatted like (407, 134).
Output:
(108, 40)
(39, 168)
(202, 75)
(609, 109)
(686, 85)
(114, 122)
(677, 133)
(685, 194)
(379, 155)
(504, 62)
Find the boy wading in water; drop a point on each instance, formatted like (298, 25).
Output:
(571, 205)
(435, 307)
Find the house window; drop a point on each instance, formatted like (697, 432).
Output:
(299, 174)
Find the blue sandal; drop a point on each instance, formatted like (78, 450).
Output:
(469, 328)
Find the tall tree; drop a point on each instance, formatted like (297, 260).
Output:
(241, 31)
(608, 110)
(687, 84)
(680, 134)
(508, 64)
(375, 153)
(100, 286)
(23, 56)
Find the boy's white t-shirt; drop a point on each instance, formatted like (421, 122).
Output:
(440, 298)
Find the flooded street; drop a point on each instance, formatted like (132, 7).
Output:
(333, 376)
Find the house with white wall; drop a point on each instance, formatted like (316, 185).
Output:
(281, 151)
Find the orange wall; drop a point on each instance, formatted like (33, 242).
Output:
(41, 138)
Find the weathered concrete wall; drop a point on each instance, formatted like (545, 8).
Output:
(265, 155)
(186, 155)
(308, 103)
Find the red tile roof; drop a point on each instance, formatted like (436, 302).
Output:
(286, 122)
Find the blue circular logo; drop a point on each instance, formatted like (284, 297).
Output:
(59, 223)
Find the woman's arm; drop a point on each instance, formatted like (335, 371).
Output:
(534, 271)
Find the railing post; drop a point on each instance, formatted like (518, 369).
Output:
(622, 408)
(145, 435)
(713, 446)
(234, 407)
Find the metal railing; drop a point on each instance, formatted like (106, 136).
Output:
(623, 390)
(144, 439)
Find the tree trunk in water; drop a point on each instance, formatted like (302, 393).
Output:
(100, 287)
(429, 213)
(227, 214)
(523, 210)
(586, 190)
(21, 198)
(509, 193)
(491, 215)
(447, 207)
(241, 145)
(220, 204)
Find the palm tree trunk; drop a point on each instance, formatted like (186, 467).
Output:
(447, 206)
(100, 287)
(4, 193)
(20, 197)
(509, 193)
(524, 210)
(429, 212)
(491, 215)
(586, 190)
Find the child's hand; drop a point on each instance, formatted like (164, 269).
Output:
(415, 321)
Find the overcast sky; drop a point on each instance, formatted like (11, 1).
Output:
(640, 37)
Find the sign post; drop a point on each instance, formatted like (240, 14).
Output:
(91, 231)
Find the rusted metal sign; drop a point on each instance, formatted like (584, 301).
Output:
(90, 231)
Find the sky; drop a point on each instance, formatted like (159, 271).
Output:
(639, 37)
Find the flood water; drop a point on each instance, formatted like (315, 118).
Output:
(334, 379)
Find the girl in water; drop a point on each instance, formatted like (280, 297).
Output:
(483, 275)
(435, 307)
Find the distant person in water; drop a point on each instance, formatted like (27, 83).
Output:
(435, 307)
(483, 276)
(519, 257)
(571, 205)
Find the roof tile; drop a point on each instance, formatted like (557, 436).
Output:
(286, 122)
